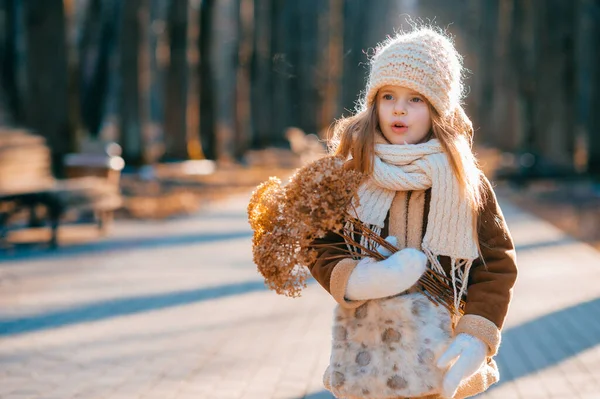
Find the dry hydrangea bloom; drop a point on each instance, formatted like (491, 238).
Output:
(272, 245)
(263, 208)
(286, 220)
(318, 196)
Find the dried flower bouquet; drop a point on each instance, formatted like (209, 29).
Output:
(286, 221)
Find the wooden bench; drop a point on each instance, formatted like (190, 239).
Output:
(31, 197)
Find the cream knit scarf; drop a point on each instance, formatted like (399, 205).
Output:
(450, 228)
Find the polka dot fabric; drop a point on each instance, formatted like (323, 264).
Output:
(387, 348)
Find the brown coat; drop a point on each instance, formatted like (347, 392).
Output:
(490, 284)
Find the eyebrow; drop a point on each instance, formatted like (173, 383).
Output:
(391, 91)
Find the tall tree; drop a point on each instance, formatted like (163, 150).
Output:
(555, 82)
(130, 124)
(282, 69)
(158, 59)
(177, 82)
(207, 86)
(524, 61)
(302, 33)
(244, 128)
(503, 119)
(261, 75)
(331, 33)
(588, 58)
(110, 125)
(355, 44)
(193, 99)
(224, 59)
(9, 105)
(97, 31)
(45, 104)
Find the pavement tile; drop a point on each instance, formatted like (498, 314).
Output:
(181, 314)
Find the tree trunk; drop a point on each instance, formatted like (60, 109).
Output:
(93, 62)
(588, 156)
(193, 98)
(524, 59)
(354, 61)
(207, 86)
(261, 81)
(282, 17)
(331, 68)
(176, 83)
(159, 59)
(130, 125)
(46, 67)
(303, 41)
(504, 113)
(244, 125)
(9, 105)
(483, 41)
(223, 59)
(109, 129)
(555, 83)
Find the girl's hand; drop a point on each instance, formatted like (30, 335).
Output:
(384, 251)
(371, 279)
(471, 353)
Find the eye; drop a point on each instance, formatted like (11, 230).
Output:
(416, 99)
(387, 97)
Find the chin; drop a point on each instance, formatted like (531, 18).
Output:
(402, 141)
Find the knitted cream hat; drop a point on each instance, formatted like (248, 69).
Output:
(422, 60)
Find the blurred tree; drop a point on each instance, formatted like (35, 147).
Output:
(364, 25)
(523, 61)
(244, 124)
(282, 69)
(129, 98)
(261, 75)
(224, 58)
(176, 83)
(158, 58)
(149, 135)
(555, 89)
(45, 104)
(503, 119)
(304, 53)
(9, 100)
(193, 93)
(331, 39)
(207, 78)
(96, 35)
(588, 58)
(207, 86)
(111, 105)
(354, 44)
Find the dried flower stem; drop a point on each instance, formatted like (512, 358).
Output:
(435, 286)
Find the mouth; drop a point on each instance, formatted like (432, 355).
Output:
(399, 127)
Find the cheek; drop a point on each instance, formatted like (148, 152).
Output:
(425, 117)
(382, 113)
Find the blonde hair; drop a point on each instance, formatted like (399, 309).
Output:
(354, 137)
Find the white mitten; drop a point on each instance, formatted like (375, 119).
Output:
(471, 353)
(372, 279)
(384, 251)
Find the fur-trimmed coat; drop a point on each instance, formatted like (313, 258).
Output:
(490, 284)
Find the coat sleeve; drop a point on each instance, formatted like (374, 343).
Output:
(492, 276)
(333, 267)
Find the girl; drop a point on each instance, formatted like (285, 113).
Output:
(424, 192)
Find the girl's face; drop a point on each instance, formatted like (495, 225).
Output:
(404, 116)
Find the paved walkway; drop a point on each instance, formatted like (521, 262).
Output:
(176, 310)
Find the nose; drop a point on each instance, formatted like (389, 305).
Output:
(399, 109)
